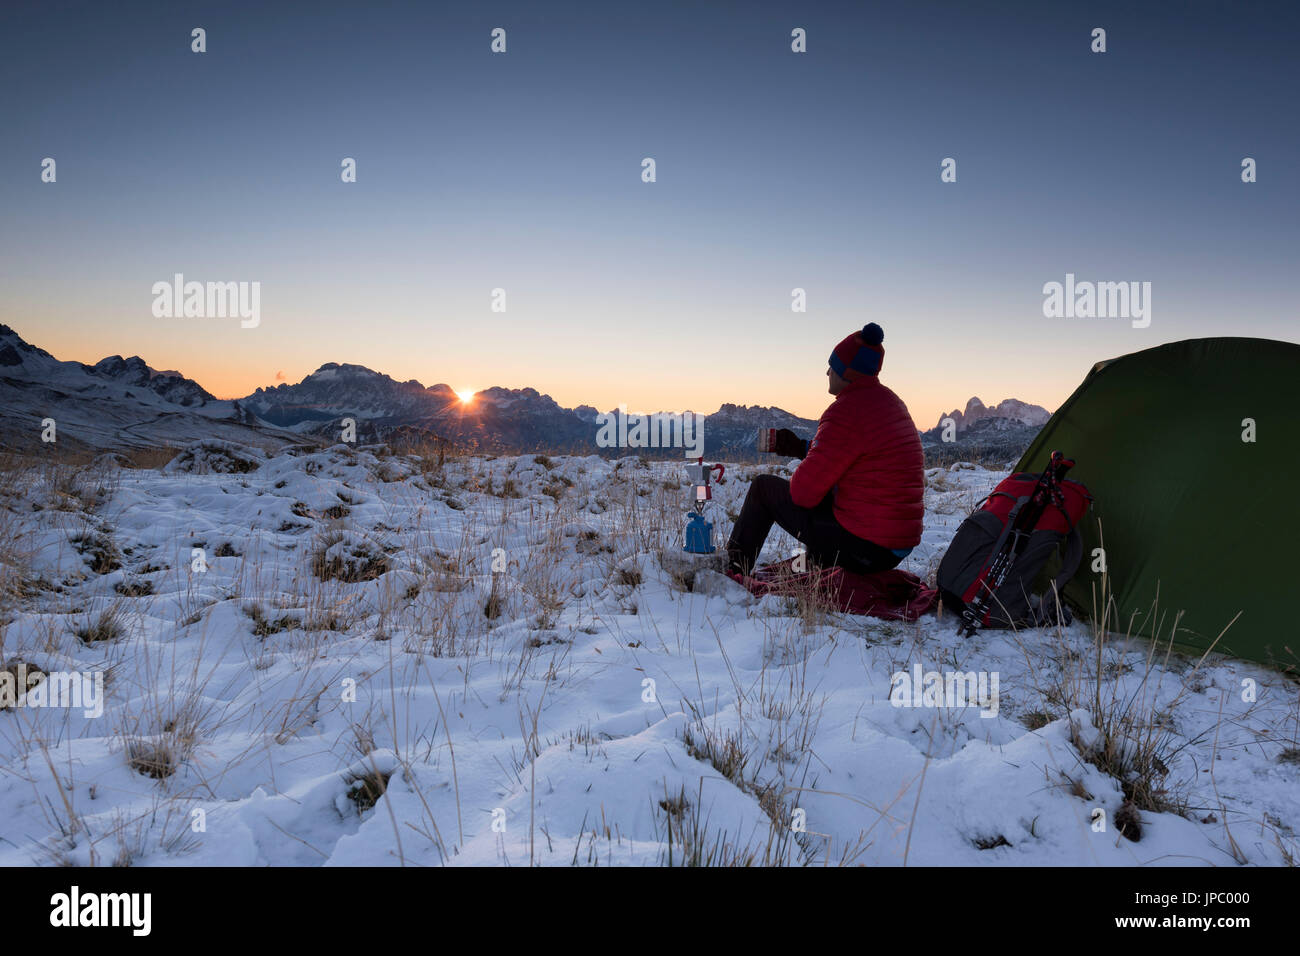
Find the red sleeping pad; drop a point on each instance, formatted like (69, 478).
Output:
(893, 595)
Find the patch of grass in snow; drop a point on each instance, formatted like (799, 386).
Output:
(1137, 741)
(17, 578)
(215, 458)
(264, 626)
(107, 626)
(154, 759)
(151, 459)
(342, 556)
(690, 841)
(365, 789)
(492, 609)
(557, 486)
(725, 751)
(189, 604)
(98, 551)
(81, 488)
(675, 807)
(1128, 821)
(175, 717)
(588, 542)
(1075, 786)
(1036, 719)
(134, 588)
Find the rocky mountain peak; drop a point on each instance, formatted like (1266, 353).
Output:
(1011, 409)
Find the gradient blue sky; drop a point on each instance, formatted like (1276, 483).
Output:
(522, 171)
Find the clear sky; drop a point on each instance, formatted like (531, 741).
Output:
(522, 171)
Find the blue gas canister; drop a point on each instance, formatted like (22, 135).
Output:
(699, 535)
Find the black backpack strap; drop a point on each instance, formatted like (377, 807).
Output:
(1070, 560)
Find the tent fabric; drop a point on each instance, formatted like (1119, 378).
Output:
(1198, 525)
(892, 595)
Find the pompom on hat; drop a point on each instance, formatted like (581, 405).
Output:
(859, 355)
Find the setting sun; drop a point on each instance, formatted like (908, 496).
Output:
(465, 394)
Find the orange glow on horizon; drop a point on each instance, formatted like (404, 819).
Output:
(931, 387)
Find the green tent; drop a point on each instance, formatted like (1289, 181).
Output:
(1196, 519)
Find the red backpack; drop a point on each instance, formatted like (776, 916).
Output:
(988, 572)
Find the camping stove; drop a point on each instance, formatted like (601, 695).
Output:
(699, 533)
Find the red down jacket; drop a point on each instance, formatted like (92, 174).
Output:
(867, 451)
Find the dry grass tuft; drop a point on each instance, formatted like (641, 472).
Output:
(154, 759)
(365, 789)
(107, 626)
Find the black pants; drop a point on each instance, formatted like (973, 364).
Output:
(825, 539)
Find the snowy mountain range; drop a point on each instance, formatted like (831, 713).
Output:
(1011, 409)
(116, 403)
(124, 403)
(982, 432)
(496, 418)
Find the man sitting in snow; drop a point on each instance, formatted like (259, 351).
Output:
(856, 498)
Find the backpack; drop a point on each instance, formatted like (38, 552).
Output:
(990, 529)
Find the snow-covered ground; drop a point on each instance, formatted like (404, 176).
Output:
(280, 638)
